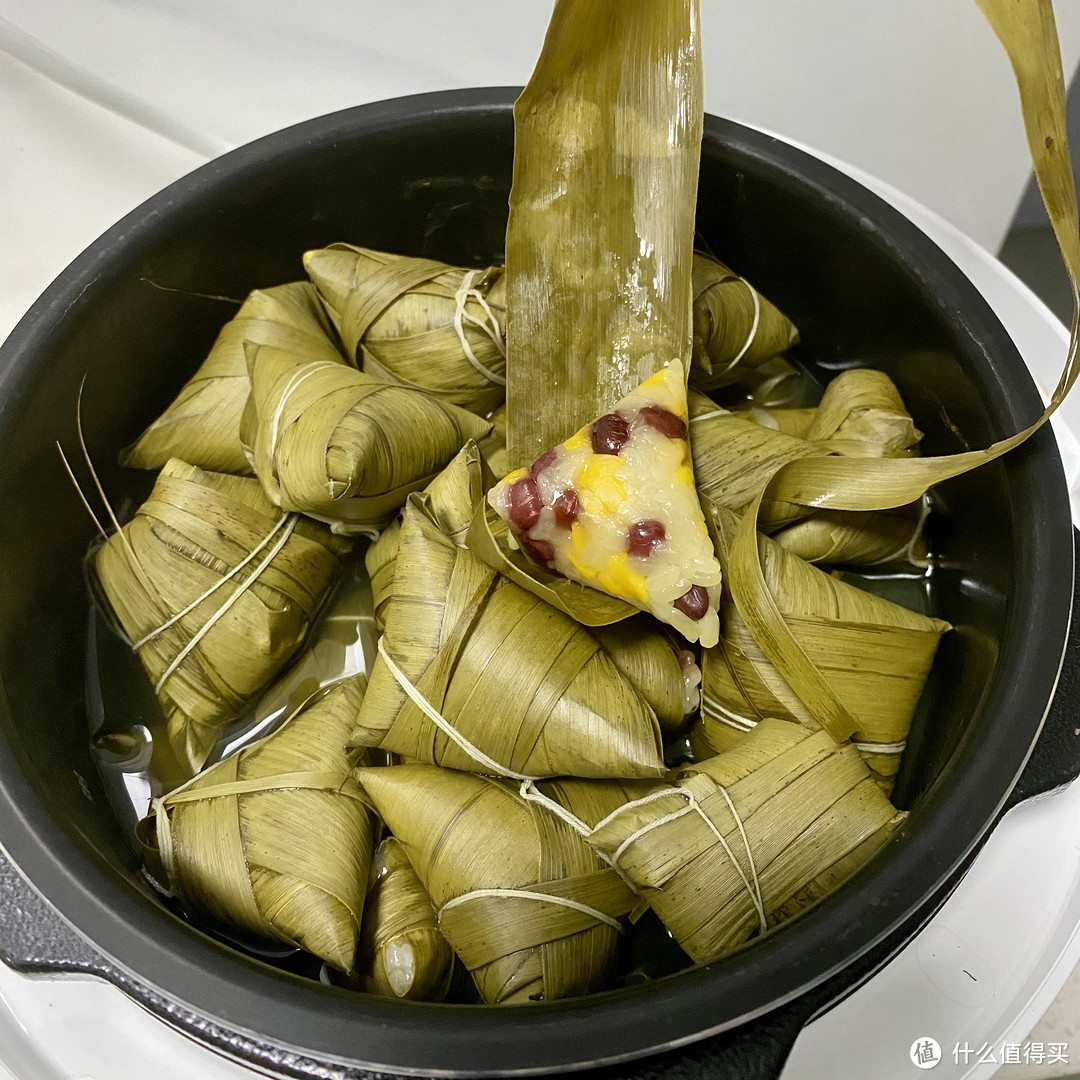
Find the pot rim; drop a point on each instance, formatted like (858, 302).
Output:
(249, 997)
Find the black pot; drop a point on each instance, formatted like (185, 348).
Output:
(429, 176)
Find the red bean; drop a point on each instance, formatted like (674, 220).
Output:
(525, 504)
(566, 508)
(644, 536)
(694, 603)
(542, 462)
(667, 423)
(543, 551)
(609, 434)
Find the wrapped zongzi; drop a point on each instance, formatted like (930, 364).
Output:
(216, 589)
(476, 673)
(747, 838)
(736, 330)
(341, 446)
(451, 497)
(861, 415)
(202, 425)
(402, 952)
(530, 910)
(274, 841)
(874, 653)
(418, 322)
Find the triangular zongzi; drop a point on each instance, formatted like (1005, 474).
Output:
(402, 952)
(747, 838)
(451, 498)
(418, 322)
(341, 446)
(736, 330)
(475, 673)
(216, 589)
(527, 906)
(875, 654)
(202, 425)
(274, 841)
(614, 507)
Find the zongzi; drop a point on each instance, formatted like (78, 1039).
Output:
(862, 414)
(614, 507)
(530, 910)
(859, 538)
(875, 654)
(418, 322)
(402, 952)
(747, 838)
(736, 330)
(664, 674)
(216, 589)
(475, 673)
(341, 446)
(202, 425)
(451, 497)
(274, 841)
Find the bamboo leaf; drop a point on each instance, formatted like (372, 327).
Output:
(598, 301)
(1028, 32)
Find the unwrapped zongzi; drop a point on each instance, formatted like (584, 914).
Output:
(614, 507)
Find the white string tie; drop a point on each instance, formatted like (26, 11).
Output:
(880, 747)
(291, 387)
(753, 327)
(711, 415)
(909, 548)
(544, 898)
(222, 611)
(444, 725)
(254, 554)
(488, 325)
(715, 711)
